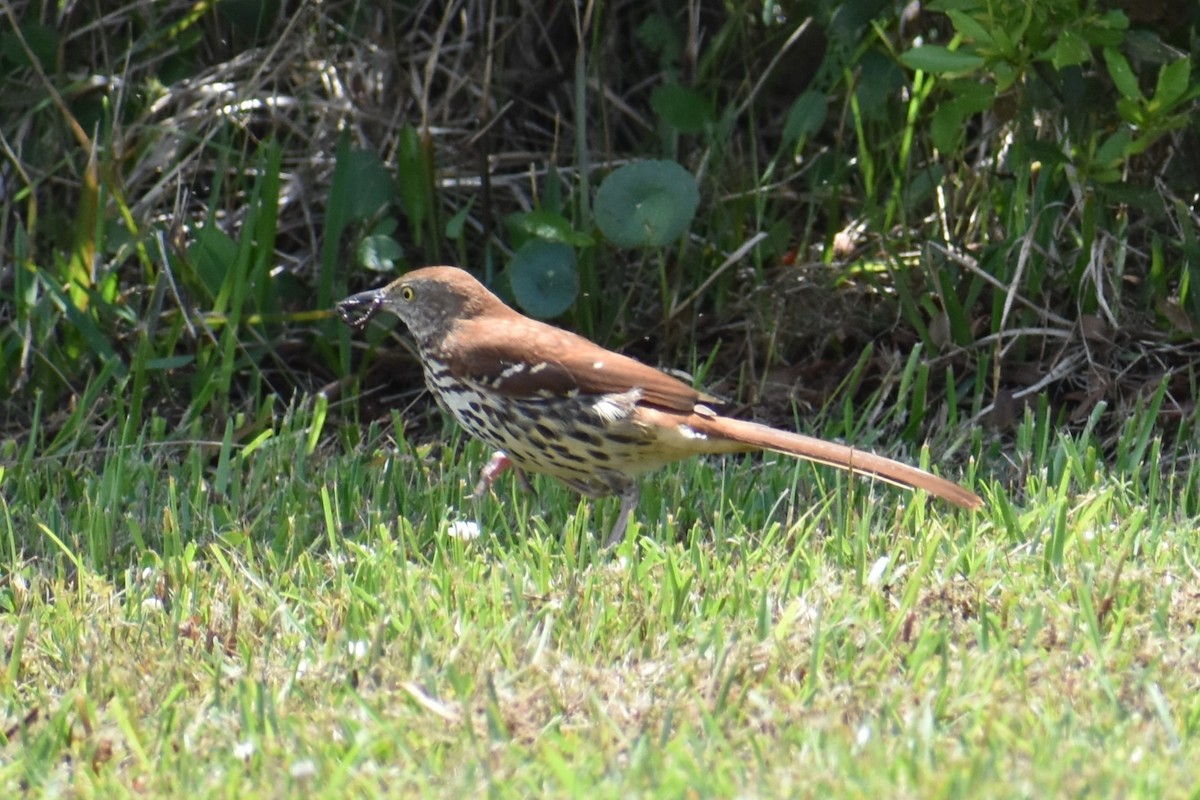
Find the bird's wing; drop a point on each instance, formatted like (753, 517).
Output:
(497, 355)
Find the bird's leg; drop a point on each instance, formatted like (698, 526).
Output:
(487, 476)
(494, 469)
(629, 501)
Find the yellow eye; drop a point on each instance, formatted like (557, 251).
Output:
(407, 293)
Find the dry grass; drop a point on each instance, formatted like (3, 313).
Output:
(497, 94)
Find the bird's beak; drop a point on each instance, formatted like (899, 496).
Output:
(357, 310)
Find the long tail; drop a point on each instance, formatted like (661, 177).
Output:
(833, 455)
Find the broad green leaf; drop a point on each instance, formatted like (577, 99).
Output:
(414, 175)
(385, 226)
(946, 127)
(969, 27)
(953, 5)
(1006, 46)
(552, 193)
(43, 41)
(1121, 74)
(879, 78)
(658, 34)
(1115, 18)
(1172, 83)
(684, 109)
(805, 117)
(370, 184)
(1114, 149)
(1069, 50)
(211, 255)
(1161, 126)
(1131, 111)
(1097, 36)
(1145, 47)
(937, 59)
(971, 97)
(1005, 74)
(455, 225)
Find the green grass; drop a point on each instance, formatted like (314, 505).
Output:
(207, 591)
(212, 620)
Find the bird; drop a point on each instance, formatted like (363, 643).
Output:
(555, 403)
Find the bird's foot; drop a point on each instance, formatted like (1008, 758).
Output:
(493, 470)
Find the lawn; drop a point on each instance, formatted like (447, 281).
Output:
(323, 615)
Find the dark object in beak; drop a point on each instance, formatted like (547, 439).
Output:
(357, 310)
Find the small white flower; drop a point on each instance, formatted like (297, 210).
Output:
(465, 530)
(243, 750)
(153, 605)
(303, 769)
(875, 576)
(358, 649)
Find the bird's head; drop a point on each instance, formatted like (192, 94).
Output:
(428, 300)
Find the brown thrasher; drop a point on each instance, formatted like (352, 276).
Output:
(552, 402)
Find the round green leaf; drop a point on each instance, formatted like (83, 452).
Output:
(544, 279)
(647, 203)
(684, 109)
(548, 225)
(379, 253)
